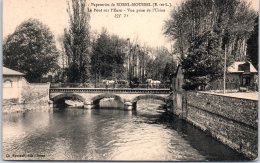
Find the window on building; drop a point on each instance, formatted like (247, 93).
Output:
(7, 84)
(244, 67)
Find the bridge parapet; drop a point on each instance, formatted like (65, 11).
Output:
(102, 85)
(110, 90)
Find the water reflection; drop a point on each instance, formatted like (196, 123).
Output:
(109, 134)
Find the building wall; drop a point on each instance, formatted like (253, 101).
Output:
(233, 121)
(24, 96)
(18, 90)
(35, 92)
(12, 87)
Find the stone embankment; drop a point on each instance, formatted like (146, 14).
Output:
(33, 96)
(231, 120)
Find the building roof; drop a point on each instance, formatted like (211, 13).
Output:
(239, 67)
(7, 71)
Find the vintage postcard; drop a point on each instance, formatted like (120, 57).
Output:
(130, 80)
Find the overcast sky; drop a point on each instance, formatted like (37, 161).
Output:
(146, 27)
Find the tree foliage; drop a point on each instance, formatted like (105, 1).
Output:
(204, 63)
(77, 42)
(169, 70)
(162, 66)
(252, 46)
(107, 60)
(196, 23)
(31, 49)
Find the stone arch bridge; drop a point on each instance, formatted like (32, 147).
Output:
(92, 96)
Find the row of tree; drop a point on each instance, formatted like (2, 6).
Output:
(32, 50)
(203, 30)
(105, 56)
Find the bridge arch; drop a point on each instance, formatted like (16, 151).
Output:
(67, 96)
(146, 97)
(95, 100)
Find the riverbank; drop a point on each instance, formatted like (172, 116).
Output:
(16, 107)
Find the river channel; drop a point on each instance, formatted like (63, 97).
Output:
(148, 133)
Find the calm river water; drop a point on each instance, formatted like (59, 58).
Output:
(107, 134)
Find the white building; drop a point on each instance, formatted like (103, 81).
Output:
(242, 73)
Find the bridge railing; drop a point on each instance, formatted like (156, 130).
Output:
(101, 85)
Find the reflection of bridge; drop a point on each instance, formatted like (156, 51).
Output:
(92, 96)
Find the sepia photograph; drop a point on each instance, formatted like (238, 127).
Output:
(130, 80)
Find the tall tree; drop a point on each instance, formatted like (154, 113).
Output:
(169, 70)
(77, 41)
(100, 60)
(31, 49)
(107, 60)
(231, 20)
(252, 46)
(203, 64)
